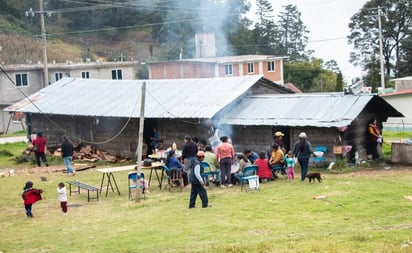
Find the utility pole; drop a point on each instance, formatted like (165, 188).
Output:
(140, 140)
(43, 39)
(381, 49)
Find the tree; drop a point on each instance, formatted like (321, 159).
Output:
(265, 29)
(405, 65)
(292, 34)
(332, 65)
(303, 74)
(396, 20)
(242, 40)
(179, 24)
(339, 82)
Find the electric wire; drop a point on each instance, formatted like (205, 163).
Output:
(61, 128)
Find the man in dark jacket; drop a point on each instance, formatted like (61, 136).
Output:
(67, 154)
(196, 179)
(188, 152)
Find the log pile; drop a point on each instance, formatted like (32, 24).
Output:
(90, 153)
(84, 152)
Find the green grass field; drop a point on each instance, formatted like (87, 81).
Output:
(364, 211)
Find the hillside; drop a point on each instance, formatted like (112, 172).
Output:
(21, 46)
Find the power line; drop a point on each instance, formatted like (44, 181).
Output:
(61, 128)
(143, 25)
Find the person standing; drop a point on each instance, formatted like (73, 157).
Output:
(225, 155)
(278, 139)
(290, 164)
(67, 154)
(189, 152)
(30, 196)
(61, 190)
(39, 148)
(197, 183)
(374, 139)
(302, 150)
(154, 140)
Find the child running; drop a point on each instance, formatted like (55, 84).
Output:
(30, 196)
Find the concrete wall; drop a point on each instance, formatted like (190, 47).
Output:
(401, 153)
(9, 125)
(402, 103)
(171, 70)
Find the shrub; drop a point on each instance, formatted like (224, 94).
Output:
(5, 153)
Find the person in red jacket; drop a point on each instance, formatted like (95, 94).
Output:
(264, 171)
(30, 196)
(39, 147)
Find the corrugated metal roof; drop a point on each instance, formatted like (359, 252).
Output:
(178, 98)
(406, 78)
(396, 93)
(320, 110)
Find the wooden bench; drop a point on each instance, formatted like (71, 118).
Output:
(84, 186)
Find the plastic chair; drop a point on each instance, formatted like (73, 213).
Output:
(250, 175)
(279, 168)
(319, 160)
(207, 173)
(166, 172)
(132, 180)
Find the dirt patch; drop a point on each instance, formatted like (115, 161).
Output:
(41, 170)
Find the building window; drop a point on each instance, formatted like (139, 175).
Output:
(58, 76)
(250, 66)
(117, 74)
(85, 74)
(22, 80)
(271, 66)
(228, 69)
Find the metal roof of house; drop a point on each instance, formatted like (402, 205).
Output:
(406, 78)
(397, 93)
(314, 109)
(177, 98)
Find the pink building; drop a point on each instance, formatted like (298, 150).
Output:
(271, 67)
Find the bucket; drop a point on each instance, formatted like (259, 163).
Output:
(254, 183)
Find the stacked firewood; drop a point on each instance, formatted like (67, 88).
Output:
(90, 153)
(83, 152)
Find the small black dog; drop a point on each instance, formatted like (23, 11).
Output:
(313, 176)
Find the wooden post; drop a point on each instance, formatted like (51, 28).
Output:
(140, 140)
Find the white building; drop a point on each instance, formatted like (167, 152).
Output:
(20, 80)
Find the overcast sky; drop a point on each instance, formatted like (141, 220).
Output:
(327, 22)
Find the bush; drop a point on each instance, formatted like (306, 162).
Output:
(340, 163)
(5, 153)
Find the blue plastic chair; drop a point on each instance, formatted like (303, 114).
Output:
(319, 161)
(206, 173)
(249, 174)
(209, 173)
(132, 181)
(166, 172)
